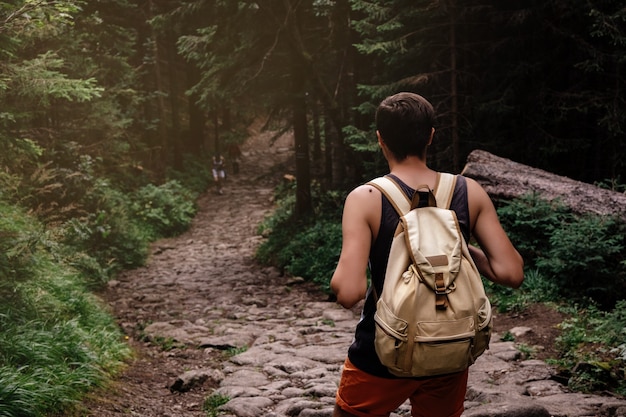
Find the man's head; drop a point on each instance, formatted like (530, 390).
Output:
(405, 123)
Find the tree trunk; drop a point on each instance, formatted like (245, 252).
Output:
(329, 140)
(505, 179)
(160, 88)
(197, 118)
(174, 75)
(216, 131)
(454, 105)
(317, 137)
(304, 206)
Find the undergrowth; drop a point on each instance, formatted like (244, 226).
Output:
(56, 340)
(64, 232)
(307, 248)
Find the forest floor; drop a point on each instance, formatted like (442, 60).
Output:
(222, 235)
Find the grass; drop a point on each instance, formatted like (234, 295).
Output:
(57, 340)
(213, 403)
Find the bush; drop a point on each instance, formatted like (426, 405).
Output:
(196, 175)
(593, 349)
(530, 221)
(309, 248)
(164, 210)
(108, 233)
(584, 260)
(580, 256)
(314, 253)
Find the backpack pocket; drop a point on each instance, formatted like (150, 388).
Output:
(483, 331)
(443, 347)
(391, 336)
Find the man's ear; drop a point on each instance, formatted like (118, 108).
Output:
(432, 135)
(381, 141)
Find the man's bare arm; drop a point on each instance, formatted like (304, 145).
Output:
(349, 282)
(497, 259)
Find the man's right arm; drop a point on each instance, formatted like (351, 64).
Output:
(497, 259)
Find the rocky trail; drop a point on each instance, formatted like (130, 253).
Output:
(215, 334)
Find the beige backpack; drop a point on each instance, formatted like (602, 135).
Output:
(433, 316)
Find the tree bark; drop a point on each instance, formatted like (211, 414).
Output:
(304, 205)
(454, 93)
(505, 179)
(160, 88)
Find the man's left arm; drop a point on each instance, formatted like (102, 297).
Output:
(349, 281)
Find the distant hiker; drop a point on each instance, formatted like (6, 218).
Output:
(219, 172)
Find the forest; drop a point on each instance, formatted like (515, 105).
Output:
(110, 111)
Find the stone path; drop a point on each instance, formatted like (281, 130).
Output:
(280, 345)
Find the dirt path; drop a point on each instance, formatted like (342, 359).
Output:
(189, 281)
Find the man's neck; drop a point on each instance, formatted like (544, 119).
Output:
(413, 171)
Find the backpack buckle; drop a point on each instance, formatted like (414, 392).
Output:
(441, 292)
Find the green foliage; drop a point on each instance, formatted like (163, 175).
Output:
(530, 221)
(166, 209)
(18, 236)
(580, 256)
(213, 402)
(592, 346)
(234, 351)
(613, 184)
(56, 340)
(537, 288)
(196, 175)
(313, 252)
(307, 248)
(40, 81)
(577, 262)
(108, 232)
(584, 259)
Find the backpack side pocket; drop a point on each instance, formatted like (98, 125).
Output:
(391, 336)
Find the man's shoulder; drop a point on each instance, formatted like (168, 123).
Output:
(363, 195)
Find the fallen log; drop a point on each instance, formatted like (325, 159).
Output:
(506, 179)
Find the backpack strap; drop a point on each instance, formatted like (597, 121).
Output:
(393, 192)
(445, 189)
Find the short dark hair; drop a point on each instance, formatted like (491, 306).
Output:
(405, 121)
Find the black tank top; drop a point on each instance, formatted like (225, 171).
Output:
(362, 352)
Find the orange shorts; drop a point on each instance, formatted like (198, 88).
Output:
(365, 395)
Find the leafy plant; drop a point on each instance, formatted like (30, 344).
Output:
(530, 221)
(536, 288)
(233, 351)
(110, 236)
(308, 248)
(313, 253)
(213, 402)
(165, 210)
(592, 346)
(583, 259)
(575, 257)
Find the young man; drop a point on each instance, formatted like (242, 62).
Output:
(219, 172)
(404, 124)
